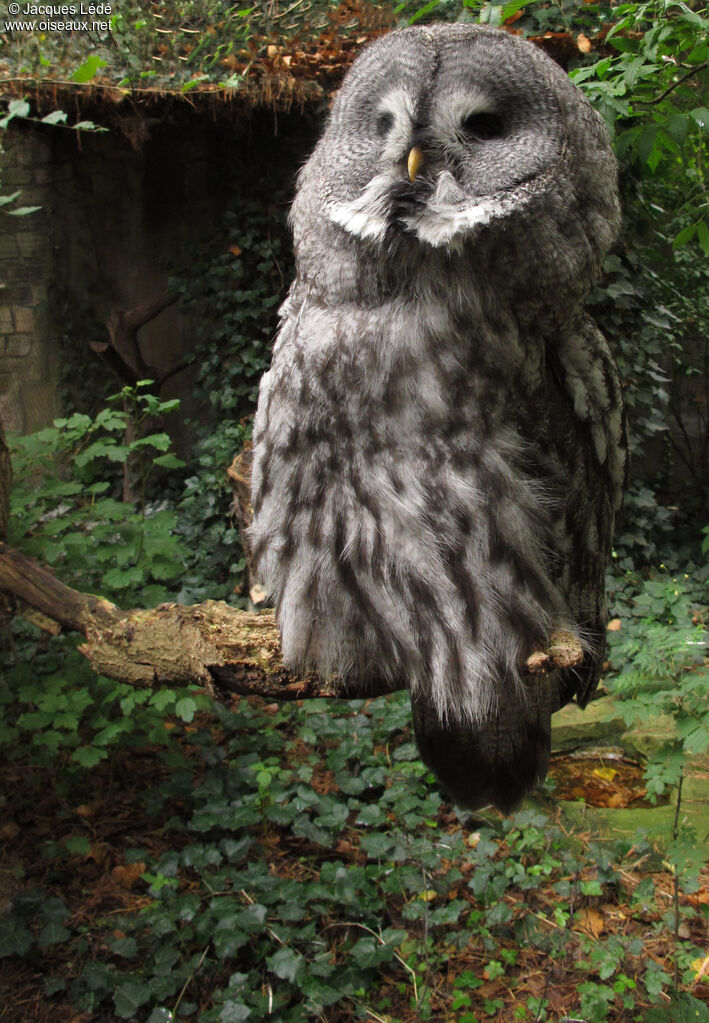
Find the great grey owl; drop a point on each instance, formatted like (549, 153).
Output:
(438, 446)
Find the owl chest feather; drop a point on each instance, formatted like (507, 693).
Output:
(404, 385)
(401, 514)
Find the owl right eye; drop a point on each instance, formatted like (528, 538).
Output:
(483, 126)
(384, 123)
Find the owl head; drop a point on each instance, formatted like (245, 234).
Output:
(447, 138)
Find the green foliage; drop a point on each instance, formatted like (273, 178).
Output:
(6, 206)
(660, 656)
(651, 89)
(16, 108)
(682, 1009)
(214, 563)
(653, 306)
(20, 108)
(66, 512)
(389, 889)
(233, 291)
(65, 508)
(35, 920)
(304, 873)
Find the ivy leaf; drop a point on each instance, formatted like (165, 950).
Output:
(286, 964)
(127, 948)
(161, 1015)
(129, 997)
(52, 934)
(234, 1012)
(15, 937)
(88, 69)
(368, 953)
(56, 117)
(78, 845)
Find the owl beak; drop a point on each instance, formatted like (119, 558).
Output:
(415, 162)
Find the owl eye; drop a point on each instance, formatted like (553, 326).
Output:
(384, 123)
(483, 126)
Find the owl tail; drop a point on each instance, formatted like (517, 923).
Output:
(496, 760)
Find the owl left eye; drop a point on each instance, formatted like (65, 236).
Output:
(483, 126)
(384, 123)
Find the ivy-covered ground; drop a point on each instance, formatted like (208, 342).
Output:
(298, 863)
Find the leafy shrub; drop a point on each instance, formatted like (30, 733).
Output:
(66, 512)
(210, 536)
(65, 509)
(234, 294)
(659, 654)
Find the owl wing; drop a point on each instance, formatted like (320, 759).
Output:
(592, 444)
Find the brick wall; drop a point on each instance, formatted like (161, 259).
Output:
(28, 355)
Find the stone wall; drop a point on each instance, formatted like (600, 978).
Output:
(28, 350)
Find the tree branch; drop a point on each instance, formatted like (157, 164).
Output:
(228, 651)
(122, 351)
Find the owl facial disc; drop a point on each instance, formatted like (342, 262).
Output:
(443, 147)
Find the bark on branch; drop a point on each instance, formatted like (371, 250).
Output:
(229, 652)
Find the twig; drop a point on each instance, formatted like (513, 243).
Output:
(658, 99)
(189, 980)
(381, 941)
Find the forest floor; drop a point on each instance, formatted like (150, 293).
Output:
(597, 796)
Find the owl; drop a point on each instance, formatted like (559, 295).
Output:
(439, 442)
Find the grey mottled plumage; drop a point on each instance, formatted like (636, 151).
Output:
(438, 443)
